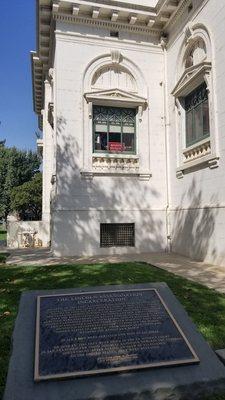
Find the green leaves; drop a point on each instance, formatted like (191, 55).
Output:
(26, 199)
(16, 167)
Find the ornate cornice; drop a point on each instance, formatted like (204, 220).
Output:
(177, 14)
(115, 16)
(100, 23)
(37, 81)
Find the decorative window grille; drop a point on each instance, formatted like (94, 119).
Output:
(197, 115)
(114, 129)
(117, 235)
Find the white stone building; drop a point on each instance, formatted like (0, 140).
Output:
(131, 98)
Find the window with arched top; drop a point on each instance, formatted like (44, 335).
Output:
(193, 94)
(195, 54)
(114, 76)
(114, 106)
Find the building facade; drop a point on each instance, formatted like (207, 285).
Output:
(130, 98)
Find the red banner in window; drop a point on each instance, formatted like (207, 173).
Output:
(116, 146)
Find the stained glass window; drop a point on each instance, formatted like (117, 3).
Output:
(197, 115)
(114, 129)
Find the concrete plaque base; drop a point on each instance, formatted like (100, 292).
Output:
(170, 382)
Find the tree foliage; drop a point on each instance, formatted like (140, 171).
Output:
(26, 199)
(16, 167)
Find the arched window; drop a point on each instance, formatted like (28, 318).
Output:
(114, 105)
(195, 54)
(114, 76)
(194, 100)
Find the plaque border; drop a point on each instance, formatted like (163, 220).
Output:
(38, 378)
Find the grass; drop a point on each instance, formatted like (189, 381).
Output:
(205, 306)
(3, 233)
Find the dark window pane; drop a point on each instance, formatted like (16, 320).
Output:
(100, 140)
(189, 127)
(128, 141)
(198, 122)
(197, 115)
(114, 129)
(114, 137)
(206, 118)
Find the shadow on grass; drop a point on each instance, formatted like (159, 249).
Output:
(205, 306)
(3, 257)
(3, 234)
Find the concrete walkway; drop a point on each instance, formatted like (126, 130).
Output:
(209, 275)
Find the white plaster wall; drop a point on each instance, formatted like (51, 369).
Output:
(198, 200)
(81, 205)
(78, 232)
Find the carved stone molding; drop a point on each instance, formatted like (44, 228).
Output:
(179, 174)
(211, 161)
(87, 175)
(104, 24)
(163, 41)
(214, 163)
(116, 56)
(191, 78)
(115, 164)
(115, 95)
(178, 13)
(197, 151)
(187, 34)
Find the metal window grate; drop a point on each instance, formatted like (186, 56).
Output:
(117, 235)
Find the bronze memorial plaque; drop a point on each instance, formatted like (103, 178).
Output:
(107, 331)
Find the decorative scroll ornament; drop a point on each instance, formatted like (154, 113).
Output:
(163, 41)
(188, 34)
(116, 56)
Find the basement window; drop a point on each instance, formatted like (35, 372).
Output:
(117, 235)
(114, 34)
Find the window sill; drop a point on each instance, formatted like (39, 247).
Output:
(211, 161)
(197, 150)
(142, 176)
(115, 163)
(115, 155)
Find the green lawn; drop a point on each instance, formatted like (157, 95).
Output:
(206, 307)
(3, 233)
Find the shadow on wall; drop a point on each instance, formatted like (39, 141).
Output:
(194, 225)
(79, 206)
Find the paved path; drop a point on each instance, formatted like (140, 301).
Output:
(207, 274)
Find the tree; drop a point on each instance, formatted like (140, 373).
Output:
(26, 199)
(16, 167)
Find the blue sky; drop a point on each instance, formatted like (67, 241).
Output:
(17, 38)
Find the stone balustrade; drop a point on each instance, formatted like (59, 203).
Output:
(197, 151)
(115, 163)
